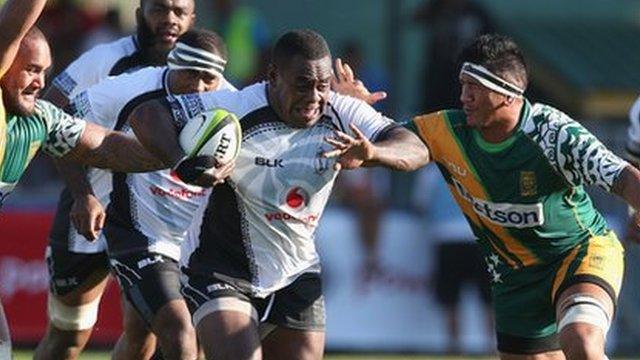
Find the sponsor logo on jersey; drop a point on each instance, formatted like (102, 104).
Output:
(457, 169)
(177, 193)
(528, 186)
(271, 163)
(219, 287)
(504, 214)
(284, 216)
(297, 198)
(150, 261)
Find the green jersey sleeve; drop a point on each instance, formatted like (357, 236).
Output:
(63, 130)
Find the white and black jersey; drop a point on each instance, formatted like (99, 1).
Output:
(111, 59)
(258, 229)
(147, 211)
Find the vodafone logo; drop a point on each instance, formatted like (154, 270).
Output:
(297, 198)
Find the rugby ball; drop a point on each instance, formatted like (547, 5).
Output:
(216, 133)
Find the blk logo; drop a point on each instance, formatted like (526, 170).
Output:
(271, 163)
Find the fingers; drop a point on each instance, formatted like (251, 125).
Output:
(339, 69)
(376, 96)
(349, 76)
(332, 153)
(357, 132)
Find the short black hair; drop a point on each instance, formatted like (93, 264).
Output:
(206, 40)
(500, 55)
(302, 42)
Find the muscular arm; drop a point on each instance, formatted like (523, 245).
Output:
(398, 149)
(16, 18)
(153, 125)
(627, 186)
(102, 148)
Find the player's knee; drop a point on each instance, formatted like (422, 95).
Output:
(583, 326)
(72, 318)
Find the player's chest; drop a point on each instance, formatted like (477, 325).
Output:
(274, 156)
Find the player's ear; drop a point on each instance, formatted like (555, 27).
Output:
(272, 73)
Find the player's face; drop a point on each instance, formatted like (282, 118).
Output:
(161, 22)
(191, 81)
(301, 89)
(479, 103)
(26, 77)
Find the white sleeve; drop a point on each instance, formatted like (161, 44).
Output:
(64, 130)
(91, 67)
(97, 104)
(354, 111)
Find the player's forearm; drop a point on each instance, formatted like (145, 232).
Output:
(627, 186)
(153, 125)
(400, 150)
(16, 18)
(75, 177)
(122, 153)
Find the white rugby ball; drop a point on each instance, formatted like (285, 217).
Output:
(216, 133)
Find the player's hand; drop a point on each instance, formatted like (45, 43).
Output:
(633, 228)
(203, 171)
(87, 216)
(351, 151)
(345, 83)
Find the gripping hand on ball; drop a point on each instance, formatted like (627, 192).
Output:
(202, 170)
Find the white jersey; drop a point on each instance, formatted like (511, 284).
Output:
(102, 61)
(258, 230)
(112, 59)
(151, 211)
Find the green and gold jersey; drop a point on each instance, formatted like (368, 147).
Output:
(523, 198)
(48, 128)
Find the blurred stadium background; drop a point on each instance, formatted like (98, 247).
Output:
(584, 57)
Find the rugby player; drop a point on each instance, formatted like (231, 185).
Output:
(78, 268)
(28, 124)
(254, 284)
(150, 213)
(518, 170)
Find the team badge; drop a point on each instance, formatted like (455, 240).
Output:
(528, 185)
(297, 198)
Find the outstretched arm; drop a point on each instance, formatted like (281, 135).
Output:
(16, 18)
(399, 149)
(103, 148)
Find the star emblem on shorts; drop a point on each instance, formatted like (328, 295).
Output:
(496, 277)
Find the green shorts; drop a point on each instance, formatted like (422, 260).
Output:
(524, 299)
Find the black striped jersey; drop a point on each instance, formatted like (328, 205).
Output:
(154, 204)
(258, 228)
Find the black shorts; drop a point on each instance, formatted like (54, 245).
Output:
(69, 271)
(148, 280)
(460, 263)
(299, 306)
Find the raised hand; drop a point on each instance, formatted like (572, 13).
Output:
(345, 83)
(352, 151)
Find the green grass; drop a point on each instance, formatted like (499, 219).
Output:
(104, 355)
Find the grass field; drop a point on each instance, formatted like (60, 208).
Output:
(103, 355)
